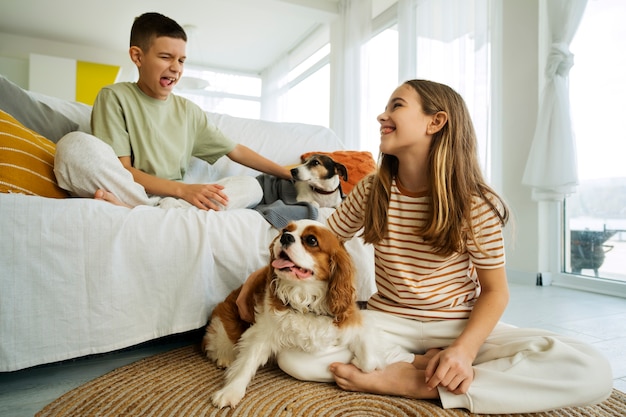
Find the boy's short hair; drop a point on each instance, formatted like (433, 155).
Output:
(153, 25)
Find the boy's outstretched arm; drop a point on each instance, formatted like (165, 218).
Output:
(246, 156)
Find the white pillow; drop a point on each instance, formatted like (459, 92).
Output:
(283, 143)
(79, 113)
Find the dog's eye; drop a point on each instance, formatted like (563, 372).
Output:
(310, 240)
(315, 163)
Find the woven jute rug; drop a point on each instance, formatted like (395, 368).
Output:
(180, 383)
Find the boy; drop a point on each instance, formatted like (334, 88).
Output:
(146, 136)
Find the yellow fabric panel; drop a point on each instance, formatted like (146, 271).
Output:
(91, 77)
(26, 161)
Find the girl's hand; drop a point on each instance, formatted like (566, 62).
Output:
(452, 369)
(245, 299)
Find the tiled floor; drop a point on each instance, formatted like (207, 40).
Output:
(597, 319)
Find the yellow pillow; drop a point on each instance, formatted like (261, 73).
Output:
(26, 161)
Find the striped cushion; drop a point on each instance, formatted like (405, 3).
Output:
(26, 161)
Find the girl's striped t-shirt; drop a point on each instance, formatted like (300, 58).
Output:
(412, 281)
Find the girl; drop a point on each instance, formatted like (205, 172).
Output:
(436, 227)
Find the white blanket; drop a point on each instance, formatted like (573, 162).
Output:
(79, 276)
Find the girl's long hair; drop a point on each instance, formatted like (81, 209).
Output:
(454, 173)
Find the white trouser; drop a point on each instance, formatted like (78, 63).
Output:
(516, 371)
(84, 164)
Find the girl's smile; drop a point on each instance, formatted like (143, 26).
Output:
(386, 129)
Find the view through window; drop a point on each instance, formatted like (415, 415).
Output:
(308, 97)
(595, 216)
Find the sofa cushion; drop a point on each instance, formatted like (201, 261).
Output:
(32, 113)
(358, 163)
(26, 161)
(79, 113)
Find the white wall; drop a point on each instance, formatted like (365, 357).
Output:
(519, 112)
(15, 52)
(52, 76)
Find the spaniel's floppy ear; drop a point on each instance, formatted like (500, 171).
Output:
(341, 291)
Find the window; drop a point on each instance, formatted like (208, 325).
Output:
(308, 95)
(595, 217)
(309, 100)
(383, 75)
(233, 94)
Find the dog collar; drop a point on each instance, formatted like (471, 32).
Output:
(324, 192)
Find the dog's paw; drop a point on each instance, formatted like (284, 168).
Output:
(227, 397)
(367, 358)
(367, 363)
(224, 362)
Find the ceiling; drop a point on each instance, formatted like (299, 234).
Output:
(239, 35)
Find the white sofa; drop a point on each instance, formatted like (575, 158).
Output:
(80, 276)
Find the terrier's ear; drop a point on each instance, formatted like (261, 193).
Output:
(342, 170)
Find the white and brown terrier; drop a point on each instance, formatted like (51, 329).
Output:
(317, 181)
(306, 301)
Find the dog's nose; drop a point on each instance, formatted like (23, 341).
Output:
(287, 239)
(294, 173)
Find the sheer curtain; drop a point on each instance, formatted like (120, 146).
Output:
(349, 34)
(407, 44)
(274, 90)
(551, 169)
(451, 41)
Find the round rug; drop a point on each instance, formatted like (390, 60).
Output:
(181, 382)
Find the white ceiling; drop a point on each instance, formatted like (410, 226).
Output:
(241, 35)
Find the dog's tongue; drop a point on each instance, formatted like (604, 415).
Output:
(287, 264)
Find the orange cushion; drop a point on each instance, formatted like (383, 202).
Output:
(358, 163)
(26, 161)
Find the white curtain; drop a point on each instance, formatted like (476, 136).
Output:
(274, 90)
(551, 168)
(452, 41)
(348, 60)
(407, 45)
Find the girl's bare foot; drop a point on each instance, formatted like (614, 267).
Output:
(401, 379)
(109, 197)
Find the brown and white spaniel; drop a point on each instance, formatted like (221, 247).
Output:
(307, 301)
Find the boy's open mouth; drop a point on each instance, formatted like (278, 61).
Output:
(167, 81)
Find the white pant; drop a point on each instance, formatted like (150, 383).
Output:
(516, 370)
(84, 163)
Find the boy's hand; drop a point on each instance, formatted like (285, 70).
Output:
(452, 369)
(205, 196)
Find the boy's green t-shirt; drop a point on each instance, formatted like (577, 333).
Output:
(160, 136)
